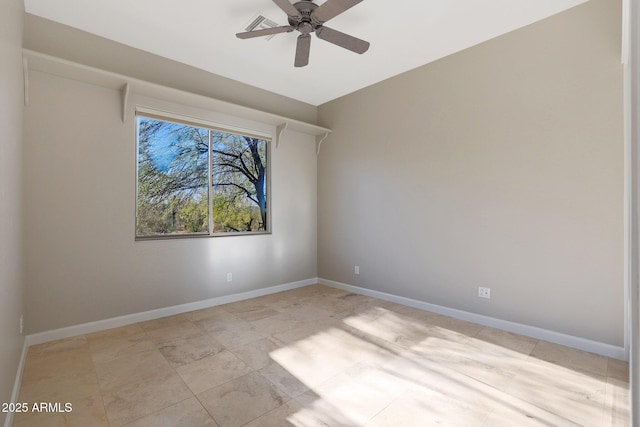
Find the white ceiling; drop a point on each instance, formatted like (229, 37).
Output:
(403, 35)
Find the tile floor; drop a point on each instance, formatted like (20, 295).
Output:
(318, 356)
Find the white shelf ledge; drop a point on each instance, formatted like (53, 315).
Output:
(71, 70)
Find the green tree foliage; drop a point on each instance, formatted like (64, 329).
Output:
(195, 216)
(173, 187)
(172, 178)
(239, 181)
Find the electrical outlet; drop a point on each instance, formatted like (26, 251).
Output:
(357, 269)
(484, 292)
(21, 324)
(229, 277)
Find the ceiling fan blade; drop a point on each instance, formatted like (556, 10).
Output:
(288, 8)
(302, 50)
(331, 9)
(343, 40)
(266, 32)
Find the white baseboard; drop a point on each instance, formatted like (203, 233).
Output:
(101, 325)
(518, 328)
(16, 385)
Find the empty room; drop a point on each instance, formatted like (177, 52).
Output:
(319, 213)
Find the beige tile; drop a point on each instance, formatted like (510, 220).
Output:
(87, 412)
(123, 331)
(443, 345)
(310, 314)
(328, 290)
(237, 335)
(188, 413)
(283, 379)
(231, 323)
(449, 398)
(72, 343)
(40, 366)
(529, 416)
(39, 420)
(320, 356)
(212, 371)
(257, 354)
(456, 325)
(476, 358)
(110, 348)
(348, 360)
(406, 412)
(618, 369)
(220, 322)
(163, 322)
(314, 411)
(366, 348)
(378, 339)
(280, 301)
(182, 351)
(130, 368)
(244, 306)
(358, 394)
(412, 370)
(301, 332)
(308, 291)
(509, 411)
(304, 330)
(361, 305)
(216, 312)
(392, 327)
(285, 415)
(254, 309)
(501, 355)
(171, 332)
(388, 306)
(367, 312)
(415, 313)
(317, 411)
(492, 370)
(570, 357)
(332, 304)
(381, 378)
(63, 387)
(517, 343)
(256, 313)
(617, 404)
(242, 400)
(574, 395)
(278, 323)
(141, 398)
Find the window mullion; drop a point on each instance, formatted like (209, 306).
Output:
(210, 181)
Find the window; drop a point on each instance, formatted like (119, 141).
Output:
(196, 179)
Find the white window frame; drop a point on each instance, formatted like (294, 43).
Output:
(212, 125)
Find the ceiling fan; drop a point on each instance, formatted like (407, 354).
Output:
(307, 17)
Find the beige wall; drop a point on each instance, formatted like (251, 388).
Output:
(79, 46)
(633, 127)
(11, 109)
(82, 263)
(499, 166)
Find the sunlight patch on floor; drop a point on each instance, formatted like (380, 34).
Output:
(417, 370)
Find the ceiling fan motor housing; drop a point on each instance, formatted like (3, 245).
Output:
(306, 24)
